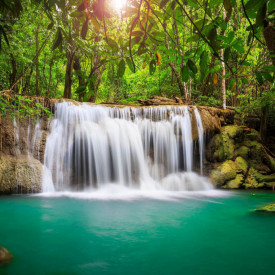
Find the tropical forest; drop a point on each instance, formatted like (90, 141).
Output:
(137, 136)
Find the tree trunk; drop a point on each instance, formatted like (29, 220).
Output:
(37, 92)
(81, 79)
(13, 74)
(50, 79)
(263, 126)
(226, 18)
(36, 60)
(68, 74)
(96, 72)
(223, 82)
(269, 35)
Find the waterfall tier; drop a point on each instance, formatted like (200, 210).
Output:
(145, 148)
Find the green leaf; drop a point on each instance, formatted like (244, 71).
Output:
(261, 15)
(271, 6)
(203, 62)
(130, 64)
(112, 43)
(269, 68)
(163, 3)
(232, 81)
(192, 66)
(50, 26)
(121, 68)
(268, 76)
(227, 4)
(193, 3)
(245, 81)
(259, 78)
(80, 89)
(226, 54)
(185, 73)
(251, 4)
(152, 66)
(237, 44)
(58, 39)
(212, 36)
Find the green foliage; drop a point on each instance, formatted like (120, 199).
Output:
(208, 101)
(20, 106)
(147, 48)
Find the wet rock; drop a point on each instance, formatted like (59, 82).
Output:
(268, 208)
(235, 183)
(251, 181)
(225, 172)
(21, 174)
(254, 167)
(241, 164)
(5, 256)
(242, 151)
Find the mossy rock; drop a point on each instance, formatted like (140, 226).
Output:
(242, 151)
(214, 150)
(233, 131)
(5, 256)
(241, 164)
(251, 181)
(264, 178)
(254, 135)
(268, 208)
(235, 183)
(225, 172)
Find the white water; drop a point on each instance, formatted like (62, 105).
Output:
(91, 147)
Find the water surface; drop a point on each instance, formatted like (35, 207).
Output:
(217, 234)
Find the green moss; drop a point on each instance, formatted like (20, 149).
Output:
(254, 135)
(235, 183)
(232, 131)
(251, 181)
(268, 208)
(242, 151)
(241, 164)
(225, 172)
(264, 178)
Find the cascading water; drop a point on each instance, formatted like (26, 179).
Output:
(150, 148)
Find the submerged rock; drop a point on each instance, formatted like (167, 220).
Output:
(5, 256)
(21, 174)
(268, 208)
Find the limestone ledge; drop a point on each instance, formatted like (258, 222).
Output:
(21, 174)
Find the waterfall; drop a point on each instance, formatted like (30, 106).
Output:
(201, 137)
(90, 146)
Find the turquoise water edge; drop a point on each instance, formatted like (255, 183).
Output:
(192, 235)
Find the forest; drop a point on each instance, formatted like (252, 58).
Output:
(137, 136)
(211, 52)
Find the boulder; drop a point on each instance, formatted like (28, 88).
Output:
(235, 183)
(268, 208)
(239, 152)
(225, 172)
(5, 256)
(241, 164)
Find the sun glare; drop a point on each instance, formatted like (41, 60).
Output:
(119, 4)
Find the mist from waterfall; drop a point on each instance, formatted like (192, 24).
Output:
(90, 147)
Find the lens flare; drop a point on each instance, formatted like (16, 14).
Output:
(119, 4)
